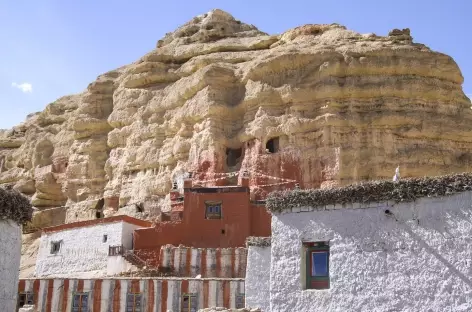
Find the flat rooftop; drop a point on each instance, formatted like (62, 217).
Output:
(86, 223)
(404, 190)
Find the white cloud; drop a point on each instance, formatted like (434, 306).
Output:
(25, 87)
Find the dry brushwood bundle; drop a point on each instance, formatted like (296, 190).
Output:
(14, 206)
(406, 190)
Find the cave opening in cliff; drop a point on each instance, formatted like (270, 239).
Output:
(233, 156)
(99, 208)
(139, 207)
(272, 145)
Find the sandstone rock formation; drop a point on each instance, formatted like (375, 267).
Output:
(318, 104)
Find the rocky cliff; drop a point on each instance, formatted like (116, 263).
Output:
(319, 104)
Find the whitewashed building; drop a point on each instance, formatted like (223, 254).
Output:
(380, 246)
(14, 211)
(87, 248)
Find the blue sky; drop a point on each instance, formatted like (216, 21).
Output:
(52, 48)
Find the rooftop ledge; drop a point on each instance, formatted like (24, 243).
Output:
(406, 190)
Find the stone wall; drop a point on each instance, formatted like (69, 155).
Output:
(10, 254)
(157, 294)
(207, 262)
(383, 257)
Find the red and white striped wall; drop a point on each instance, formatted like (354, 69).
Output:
(207, 262)
(109, 295)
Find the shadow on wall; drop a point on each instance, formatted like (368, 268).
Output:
(438, 256)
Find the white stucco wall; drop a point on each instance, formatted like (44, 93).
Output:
(10, 254)
(418, 260)
(258, 278)
(127, 237)
(82, 250)
(118, 264)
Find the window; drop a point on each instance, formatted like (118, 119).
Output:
(189, 303)
(139, 207)
(55, 247)
(25, 298)
(133, 303)
(213, 210)
(317, 265)
(272, 146)
(240, 302)
(80, 302)
(105, 238)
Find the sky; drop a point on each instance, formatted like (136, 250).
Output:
(52, 48)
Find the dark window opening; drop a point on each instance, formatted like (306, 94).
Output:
(209, 27)
(233, 156)
(317, 265)
(66, 164)
(189, 303)
(55, 247)
(139, 207)
(100, 204)
(99, 208)
(26, 298)
(80, 302)
(105, 238)
(240, 301)
(134, 302)
(223, 231)
(213, 210)
(272, 146)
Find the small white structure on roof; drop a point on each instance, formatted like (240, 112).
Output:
(15, 210)
(377, 255)
(87, 248)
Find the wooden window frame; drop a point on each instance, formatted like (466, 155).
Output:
(243, 296)
(80, 308)
(320, 281)
(28, 298)
(210, 215)
(192, 297)
(134, 307)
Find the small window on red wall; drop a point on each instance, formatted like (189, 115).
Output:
(213, 210)
(317, 265)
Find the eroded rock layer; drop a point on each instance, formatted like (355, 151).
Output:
(319, 104)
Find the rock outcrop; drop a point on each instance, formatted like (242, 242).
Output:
(319, 104)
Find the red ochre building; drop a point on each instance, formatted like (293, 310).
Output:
(204, 217)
